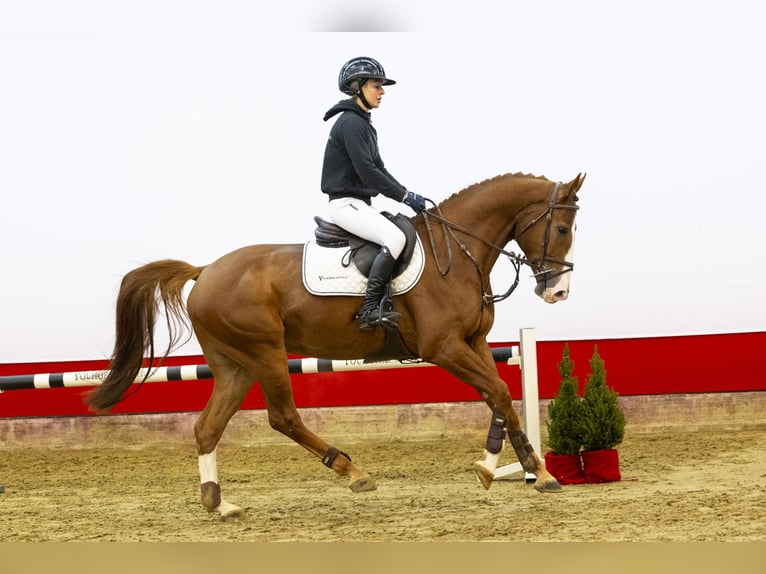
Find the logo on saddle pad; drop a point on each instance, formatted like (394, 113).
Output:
(330, 269)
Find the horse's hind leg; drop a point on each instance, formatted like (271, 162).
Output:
(231, 387)
(274, 381)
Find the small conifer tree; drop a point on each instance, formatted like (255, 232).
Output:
(564, 411)
(602, 419)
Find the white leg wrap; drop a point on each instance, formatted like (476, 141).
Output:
(491, 460)
(208, 469)
(485, 469)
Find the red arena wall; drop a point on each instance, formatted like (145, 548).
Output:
(640, 366)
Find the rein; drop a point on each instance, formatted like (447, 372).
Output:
(449, 229)
(539, 270)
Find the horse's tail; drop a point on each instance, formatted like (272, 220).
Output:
(141, 292)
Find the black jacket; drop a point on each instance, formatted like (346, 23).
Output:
(352, 165)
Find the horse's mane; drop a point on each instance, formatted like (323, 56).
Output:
(473, 187)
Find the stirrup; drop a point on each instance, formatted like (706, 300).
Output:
(371, 318)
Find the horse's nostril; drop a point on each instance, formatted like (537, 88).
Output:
(561, 294)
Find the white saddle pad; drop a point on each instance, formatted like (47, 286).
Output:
(324, 273)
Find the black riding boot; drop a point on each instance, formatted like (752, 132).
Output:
(372, 312)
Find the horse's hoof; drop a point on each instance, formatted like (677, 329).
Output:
(229, 512)
(365, 484)
(550, 485)
(484, 475)
(233, 516)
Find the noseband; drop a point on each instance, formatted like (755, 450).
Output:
(540, 272)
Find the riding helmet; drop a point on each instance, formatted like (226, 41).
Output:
(361, 68)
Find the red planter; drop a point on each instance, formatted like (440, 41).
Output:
(600, 465)
(566, 468)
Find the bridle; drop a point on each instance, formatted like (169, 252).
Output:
(540, 272)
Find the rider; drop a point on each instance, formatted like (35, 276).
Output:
(353, 173)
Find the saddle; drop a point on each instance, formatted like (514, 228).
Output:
(361, 251)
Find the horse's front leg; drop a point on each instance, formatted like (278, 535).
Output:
(476, 366)
(499, 428)
(485, 469)
(530, 461)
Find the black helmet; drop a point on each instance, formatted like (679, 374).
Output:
(361, 68)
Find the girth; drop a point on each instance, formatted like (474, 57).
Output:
(361, 251)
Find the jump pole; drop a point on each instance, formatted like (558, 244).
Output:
(530, 399)
(199, 372)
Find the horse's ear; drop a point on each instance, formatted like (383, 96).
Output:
(576, 183)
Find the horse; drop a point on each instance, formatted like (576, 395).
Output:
(249, 309)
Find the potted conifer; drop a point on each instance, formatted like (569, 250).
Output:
(563, 460)
(602, 426)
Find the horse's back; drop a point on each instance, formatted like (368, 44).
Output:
(245, 276)
(253, 258)
(254, 297)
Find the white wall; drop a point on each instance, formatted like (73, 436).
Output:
(136, 131)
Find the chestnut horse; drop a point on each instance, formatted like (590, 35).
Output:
(249, 309)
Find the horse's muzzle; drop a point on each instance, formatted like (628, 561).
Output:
(552, 293)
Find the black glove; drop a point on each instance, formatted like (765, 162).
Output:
(415, 201)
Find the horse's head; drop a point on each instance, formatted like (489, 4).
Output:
(547, 239)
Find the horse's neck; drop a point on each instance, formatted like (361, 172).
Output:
(490, 211)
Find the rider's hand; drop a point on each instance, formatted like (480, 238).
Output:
(415, 201)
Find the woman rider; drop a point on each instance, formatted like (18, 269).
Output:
(353, 173)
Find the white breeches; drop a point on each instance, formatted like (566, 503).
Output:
(356, 216)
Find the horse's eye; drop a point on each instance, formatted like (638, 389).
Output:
(562, 230)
